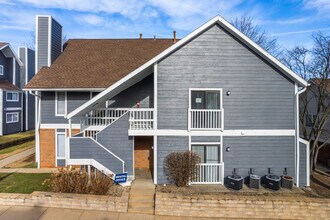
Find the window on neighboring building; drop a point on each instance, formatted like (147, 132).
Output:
(310, 120)
(12, 117)
(12, 97)
(1, 70)
(207, 153)
(60, 104)
(60, 144)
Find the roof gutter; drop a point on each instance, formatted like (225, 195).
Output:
(297, 133)
(64, 89)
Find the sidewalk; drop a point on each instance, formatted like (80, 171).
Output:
(28, 170)
(38, 213)
(16, 157)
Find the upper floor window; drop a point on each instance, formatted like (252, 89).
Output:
(12, 97)
(11, 117)
(1, 70)
(60, 104)
(205, 99)
(205, 109)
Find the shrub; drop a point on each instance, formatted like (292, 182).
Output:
(100, 184)
(68, 180)
(180, 167)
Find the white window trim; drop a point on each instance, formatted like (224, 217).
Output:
(65, 105)
(12, 113)
(8, 100)
(2, 70)
(56, 157)
(221, 105)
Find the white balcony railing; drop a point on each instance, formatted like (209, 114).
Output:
(103, 116)
(205, 119)
(141, 119)
(209, 173)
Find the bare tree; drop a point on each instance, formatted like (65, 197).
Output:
(32, 41)
(247, 26)
(314, 66)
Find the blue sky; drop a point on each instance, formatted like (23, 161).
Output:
(292, 21)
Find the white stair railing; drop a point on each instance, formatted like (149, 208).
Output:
(103, 116)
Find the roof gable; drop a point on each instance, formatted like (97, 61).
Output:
(216, 20)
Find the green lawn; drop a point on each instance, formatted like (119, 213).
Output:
(23, 182)
(17, 147)
(12, 137)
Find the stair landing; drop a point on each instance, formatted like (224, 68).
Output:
(142, 194)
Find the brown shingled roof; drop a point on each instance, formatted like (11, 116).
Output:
(3, 44)
(97, 63)
(6, 85)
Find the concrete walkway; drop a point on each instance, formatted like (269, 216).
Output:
(142, 193)
(38, 213)
(16, 157)
(28, 170)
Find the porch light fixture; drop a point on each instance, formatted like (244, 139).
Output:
(227, 149)
(228, 93)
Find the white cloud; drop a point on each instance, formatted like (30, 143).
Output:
(90, 19)
(322, 6)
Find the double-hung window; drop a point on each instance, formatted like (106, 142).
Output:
(60, 104)
(12, 96)
(1, 70)
(12, 117)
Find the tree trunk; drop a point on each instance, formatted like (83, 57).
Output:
(315, 157)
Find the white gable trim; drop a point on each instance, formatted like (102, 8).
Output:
(216, 20)
(14, 54)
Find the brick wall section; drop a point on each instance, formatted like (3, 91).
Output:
(143, 154)
(236, 206)
(66, 200)
(47, 148)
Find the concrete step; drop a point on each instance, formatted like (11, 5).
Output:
(142, 210)
(149, 204)
(142, 196)
(141, 200)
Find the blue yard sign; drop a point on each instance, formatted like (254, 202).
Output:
(120, 178)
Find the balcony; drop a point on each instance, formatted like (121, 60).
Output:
(209, 173)
(139, 118)
(205, 119)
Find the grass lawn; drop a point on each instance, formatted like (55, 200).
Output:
(16, 149)
(23, 182)
(12, 137)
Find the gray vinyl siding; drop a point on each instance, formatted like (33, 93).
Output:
(60, 162)
(74, 100)
(56, 47)
(302, 165)
(22, 56)
(115, 138)
(165, 146)
(7, 64)
(261, 97)
(259, 153)
(86, 148)
(205, 138)
(42, 42)
(141, 91)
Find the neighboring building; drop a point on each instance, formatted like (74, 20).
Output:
(324, 153)
(128, 103)
(14, 74)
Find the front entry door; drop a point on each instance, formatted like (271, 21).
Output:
(143, 153)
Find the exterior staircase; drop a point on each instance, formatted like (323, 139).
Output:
(142, 194)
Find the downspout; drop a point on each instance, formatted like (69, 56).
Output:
(37, 125)
(297, 133)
